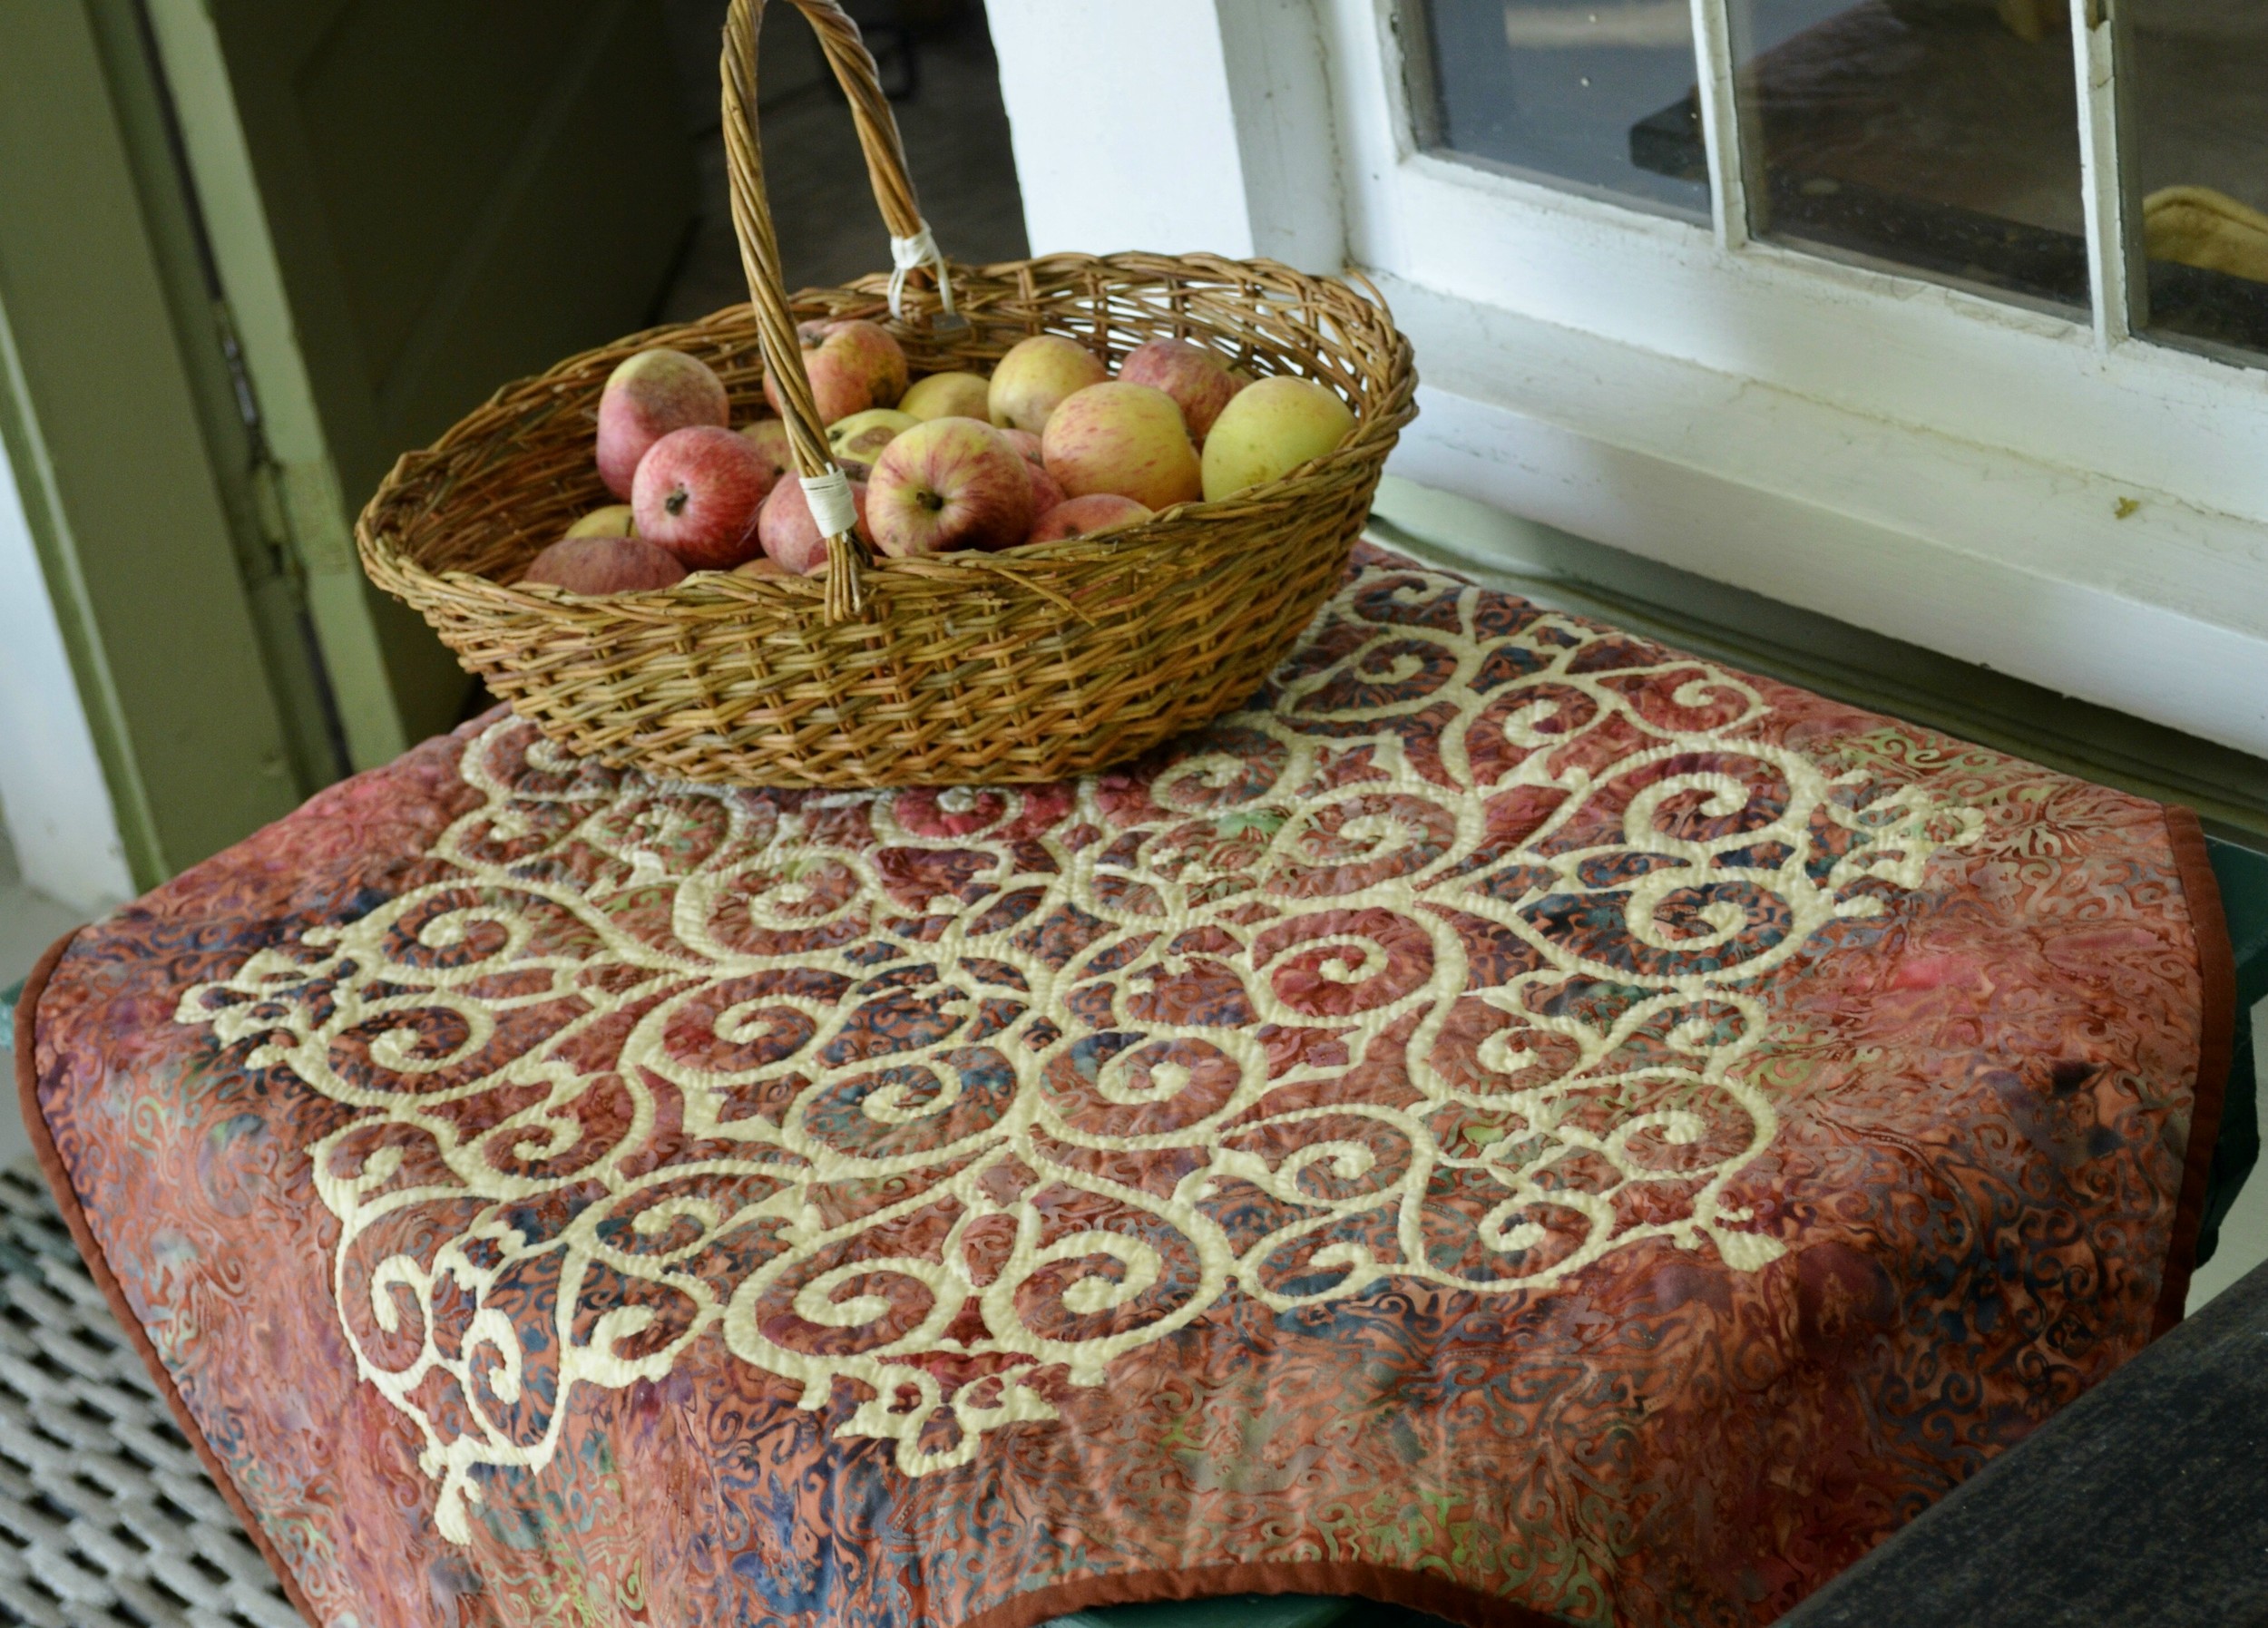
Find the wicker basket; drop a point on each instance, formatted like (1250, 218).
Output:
(1031, 665)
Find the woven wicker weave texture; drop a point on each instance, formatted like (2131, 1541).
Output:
(106, 1518)
(1039, 664)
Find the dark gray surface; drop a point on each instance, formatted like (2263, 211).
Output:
(955, 128)
(2143, 1501)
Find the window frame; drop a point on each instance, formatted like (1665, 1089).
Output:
(2063, 500)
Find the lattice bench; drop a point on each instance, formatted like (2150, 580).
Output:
(106, 1518)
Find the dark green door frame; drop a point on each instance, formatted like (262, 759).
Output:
(249, 251)
(120, 424)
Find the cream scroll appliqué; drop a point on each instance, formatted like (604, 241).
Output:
(1441, 969)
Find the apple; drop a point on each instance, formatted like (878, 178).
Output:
(594, 565)
(1036, 374)
(949, 483)
(1026, 443)
(698, 493)
(863, 435)
(763, 565)
(769, 437)
(791, 538)
(613, 521)
(1088, 516)
(1047, 491)
(1197, 378)
(1270, 428)
(649, 396)
(853, 365)
(948, 395)
(1124, 438)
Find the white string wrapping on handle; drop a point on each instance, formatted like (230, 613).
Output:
(907, 254)
(833, 509)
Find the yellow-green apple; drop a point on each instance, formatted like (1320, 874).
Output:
(1124, 438)
(791, 538)
(593, 565)
(949, 483)
(1088, 516)
(613, 521)
(1036, 374)
(649, 396)
(853, 365)
(1270, 428)
(948, 395)
(863, 435)
(1197, 379)
(698, 493)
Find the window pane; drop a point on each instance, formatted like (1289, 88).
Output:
(1563, 92)
(2196, 73)
(1938, 135)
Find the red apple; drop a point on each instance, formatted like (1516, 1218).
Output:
(1024, 442)
(698, 493)
(649, 396)
(1087, 516)
(595, 565)
(853, 365)
(1036, 374)
(949, 483)
(1119, 437)
(1197, 379)
(763, 565)
(1046, 490)
(791, 538)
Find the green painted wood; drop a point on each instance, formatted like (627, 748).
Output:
(412, 203)
(236, 442)
(101, 420)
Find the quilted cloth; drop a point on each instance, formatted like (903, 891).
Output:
(1517, 1121)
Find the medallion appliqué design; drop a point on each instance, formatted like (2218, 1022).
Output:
(1437, 967)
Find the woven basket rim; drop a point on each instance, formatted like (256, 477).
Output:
(1164, 531)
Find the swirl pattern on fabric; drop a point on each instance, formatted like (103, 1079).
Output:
(1442, 968)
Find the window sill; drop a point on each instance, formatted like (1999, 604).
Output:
(2084, 586)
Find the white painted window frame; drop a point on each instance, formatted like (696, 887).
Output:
(2056, 499)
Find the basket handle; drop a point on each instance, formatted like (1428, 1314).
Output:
(759, 249)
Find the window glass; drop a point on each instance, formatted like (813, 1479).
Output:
(2197, 77)
(1938, 135)
(1585, 96)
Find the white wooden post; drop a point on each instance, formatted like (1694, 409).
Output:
(1172, 125)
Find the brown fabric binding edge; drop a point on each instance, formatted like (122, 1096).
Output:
(1420, 1590)
(2216, 1035)
(98, 1267)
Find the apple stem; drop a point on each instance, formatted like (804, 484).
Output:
(675, 502)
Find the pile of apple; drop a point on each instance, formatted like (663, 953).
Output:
(1049, 447)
